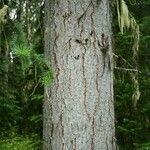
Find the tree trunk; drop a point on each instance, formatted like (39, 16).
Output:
(78, 107)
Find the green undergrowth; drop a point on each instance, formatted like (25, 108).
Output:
(14, 141)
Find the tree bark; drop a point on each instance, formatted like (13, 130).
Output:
(78, 107)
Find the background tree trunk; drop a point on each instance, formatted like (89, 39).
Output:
(78, 107)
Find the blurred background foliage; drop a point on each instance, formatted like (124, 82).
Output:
(133, 123)
(24, 73)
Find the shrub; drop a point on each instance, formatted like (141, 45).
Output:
(20, 142)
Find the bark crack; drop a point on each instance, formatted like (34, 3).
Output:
(97, 88)
(84, 13)
(85, 82)
(93, 135)
(107, 148)
(62, 129)
(55, 57)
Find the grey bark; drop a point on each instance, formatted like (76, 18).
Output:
(78, 107)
